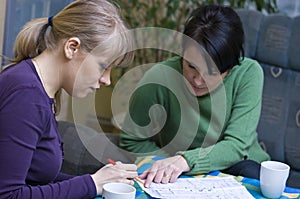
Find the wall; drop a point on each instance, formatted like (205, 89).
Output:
(2, 23)
(290, 7)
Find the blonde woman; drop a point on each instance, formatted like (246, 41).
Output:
(75, 51)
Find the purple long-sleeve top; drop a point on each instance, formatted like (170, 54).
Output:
(30, 144)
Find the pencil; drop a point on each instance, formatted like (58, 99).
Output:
(111, 161)
(136, 178)
(139, 180)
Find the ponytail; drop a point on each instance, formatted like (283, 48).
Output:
(94, 22)
(30, 41)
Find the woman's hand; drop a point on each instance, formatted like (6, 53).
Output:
(119, 172)
(166, 170)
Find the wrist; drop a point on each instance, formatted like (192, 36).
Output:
(184, 163)
(98, 190)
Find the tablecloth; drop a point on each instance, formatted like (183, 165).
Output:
(252, 185)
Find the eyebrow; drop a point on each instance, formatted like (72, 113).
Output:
(104, 66)
(192, 64)
(209, 70)
(121, 61)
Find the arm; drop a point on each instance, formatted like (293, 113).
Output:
(141, 144)
(240, 135)
(140, 126)
(155, 111)
(22, 120)
(235, 143)
(63, 176)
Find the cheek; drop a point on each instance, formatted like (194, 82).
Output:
(213, 82)
(92, 71)
(187, 74)
(191, 76)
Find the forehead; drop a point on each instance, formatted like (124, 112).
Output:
(97, 58)
(103, 57)
(194, 57)
(103, 50)
(200, 59)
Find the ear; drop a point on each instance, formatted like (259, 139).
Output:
(71, 47)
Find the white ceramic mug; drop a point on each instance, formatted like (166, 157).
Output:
(273, 176)
(116, 190)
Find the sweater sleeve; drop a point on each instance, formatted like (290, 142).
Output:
(148, 118)
(21, 123)
(140, 126)
(240, 130)
(63, 176)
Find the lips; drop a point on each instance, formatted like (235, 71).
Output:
(92, 89)
(198, 88)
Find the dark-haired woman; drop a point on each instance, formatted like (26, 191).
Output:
(201, 109)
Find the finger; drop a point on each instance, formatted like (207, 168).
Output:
(175, 175)
(127, 181)
(108, 165)
(144, 174)
(129, 167)
(131, 174)
(150, 178)
(159, 176)
(166, 177)
(126, 167)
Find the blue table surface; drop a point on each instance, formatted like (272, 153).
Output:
(252, 185)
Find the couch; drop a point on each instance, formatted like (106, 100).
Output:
(274, 41)
(86, 150)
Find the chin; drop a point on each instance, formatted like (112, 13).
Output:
(200, 93)
(80, 94)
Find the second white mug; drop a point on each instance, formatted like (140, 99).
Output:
(117, 190)
(273, 176)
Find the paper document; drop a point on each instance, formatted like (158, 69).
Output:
(204, 188)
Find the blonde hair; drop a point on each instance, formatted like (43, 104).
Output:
(95, 22)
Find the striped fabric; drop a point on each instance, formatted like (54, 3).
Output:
(252, 185)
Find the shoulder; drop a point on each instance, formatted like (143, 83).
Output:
(19, 74)
(19, 79)
(249, 65)
(165, 71)
(161, 78)
(249, 69)
(165, 66)
(246, 77)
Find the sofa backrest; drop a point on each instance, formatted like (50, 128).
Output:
(274, 41)
(86, 150)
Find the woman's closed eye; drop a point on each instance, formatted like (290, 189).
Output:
(191, 66)
(103, 66)
(205, 73)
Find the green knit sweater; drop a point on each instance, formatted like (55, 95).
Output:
(212, 132)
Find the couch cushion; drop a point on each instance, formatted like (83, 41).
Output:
(294, 50)
(292, 139)
(77, 159)
(272, 125)
(85, 150)
(293, 180)
(273, 42)
(251, 23)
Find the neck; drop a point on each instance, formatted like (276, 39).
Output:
(47, 69)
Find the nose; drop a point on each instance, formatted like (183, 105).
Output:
(198, 80)
(105, 79)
